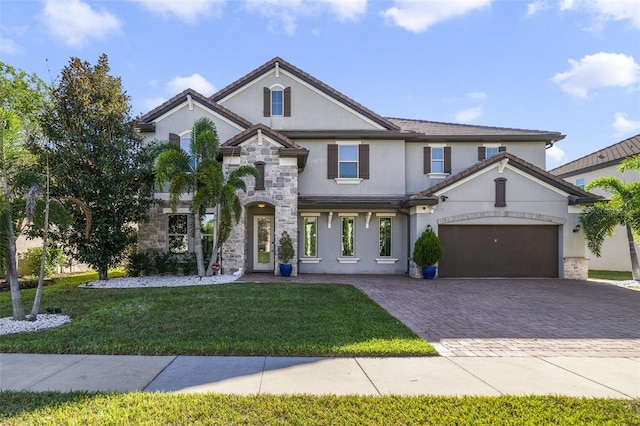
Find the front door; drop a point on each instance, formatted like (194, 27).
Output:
(263, 247)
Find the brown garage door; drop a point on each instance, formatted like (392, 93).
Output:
(499, 251)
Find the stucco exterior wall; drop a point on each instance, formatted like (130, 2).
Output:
(615, 250)
(310, 109)
(386, 166)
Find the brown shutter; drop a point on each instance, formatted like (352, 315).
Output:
(502, 149)
(266, 102)
(287, 102)
(363, 161)
(501, 192)
(174, 139)
(482, 153)
(260, 181)
(332, 161)
(447, 159)
(427, 159)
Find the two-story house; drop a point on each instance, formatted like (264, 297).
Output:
(355, 189)
(605, 162)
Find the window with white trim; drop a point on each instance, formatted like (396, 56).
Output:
(310, 236)
(385, 237)
(348, 237)
(437, 160)
(580, 183)
(348, 161)
(177, 233)
(491, 151)
(277, 102)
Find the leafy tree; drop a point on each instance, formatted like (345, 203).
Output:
(22, 98)
(98, 160)
(623, 208)
(199, 172)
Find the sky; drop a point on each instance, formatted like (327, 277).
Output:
(571, 66)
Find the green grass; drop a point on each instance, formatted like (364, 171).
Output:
(231, 319)
(160, 409)
(611, 275)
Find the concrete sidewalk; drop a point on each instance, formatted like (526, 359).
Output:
(572, 376)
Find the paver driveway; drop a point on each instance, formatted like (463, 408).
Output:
(505, 317)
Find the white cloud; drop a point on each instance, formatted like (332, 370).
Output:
(606, 10)
(596, 71)
(418, 16)
(478, 96)
(9, 47)
(76, 22)
(469, 115)
(622, 125)
(186, 10)
(151, 103)
(283, 14)
(536, 7)
(347, 10)
(194, 81)
(555, 156)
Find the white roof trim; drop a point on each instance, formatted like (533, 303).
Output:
(203, 108)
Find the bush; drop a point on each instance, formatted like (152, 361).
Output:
(55, 257)
(428, 249)
(139, 264)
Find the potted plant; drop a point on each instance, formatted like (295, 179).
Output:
(285, 254)
(427, 252)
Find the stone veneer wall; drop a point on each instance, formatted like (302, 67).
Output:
(281, 190)
(576, 268)
(152, 235)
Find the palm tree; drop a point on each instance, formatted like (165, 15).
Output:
(623, 208)
(199, 172)
(222, 191)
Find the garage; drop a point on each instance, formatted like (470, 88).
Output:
(499, 251)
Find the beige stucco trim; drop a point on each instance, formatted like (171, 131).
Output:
(502, 213)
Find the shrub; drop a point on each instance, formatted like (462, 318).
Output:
(285, 248)
(55, 257)
(139, 263)
(428, 249)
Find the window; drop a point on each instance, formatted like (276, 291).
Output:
(260, 181)
(348, 161)
(348, 237)
(501, 192)
(580, 183)
(277, 102)
(177, 233)
(185, 145)
(385, 237)
(437, 159)
(310, 236)
(207, 230)
(489, 151)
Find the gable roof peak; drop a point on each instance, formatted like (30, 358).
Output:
(308, 79)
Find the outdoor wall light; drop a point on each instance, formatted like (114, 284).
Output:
(261, 205)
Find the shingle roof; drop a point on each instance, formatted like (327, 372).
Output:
(216, 97)
(447, 131)
(576, 194)
(605, 157)
(182, 97)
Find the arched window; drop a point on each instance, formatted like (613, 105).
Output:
(277, 101)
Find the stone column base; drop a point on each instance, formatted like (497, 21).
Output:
(576, 268)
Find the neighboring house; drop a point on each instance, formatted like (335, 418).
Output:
(355, 190)
(605, 162)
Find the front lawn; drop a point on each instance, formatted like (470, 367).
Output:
(610, 275)
(22, 408)
(230, 319)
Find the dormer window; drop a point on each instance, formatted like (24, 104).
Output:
(277, 101)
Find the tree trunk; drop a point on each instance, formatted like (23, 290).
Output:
(43, 263)
(102, 272)
(635, 266)
(197, 244)
(12, 272)
(214, 252)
